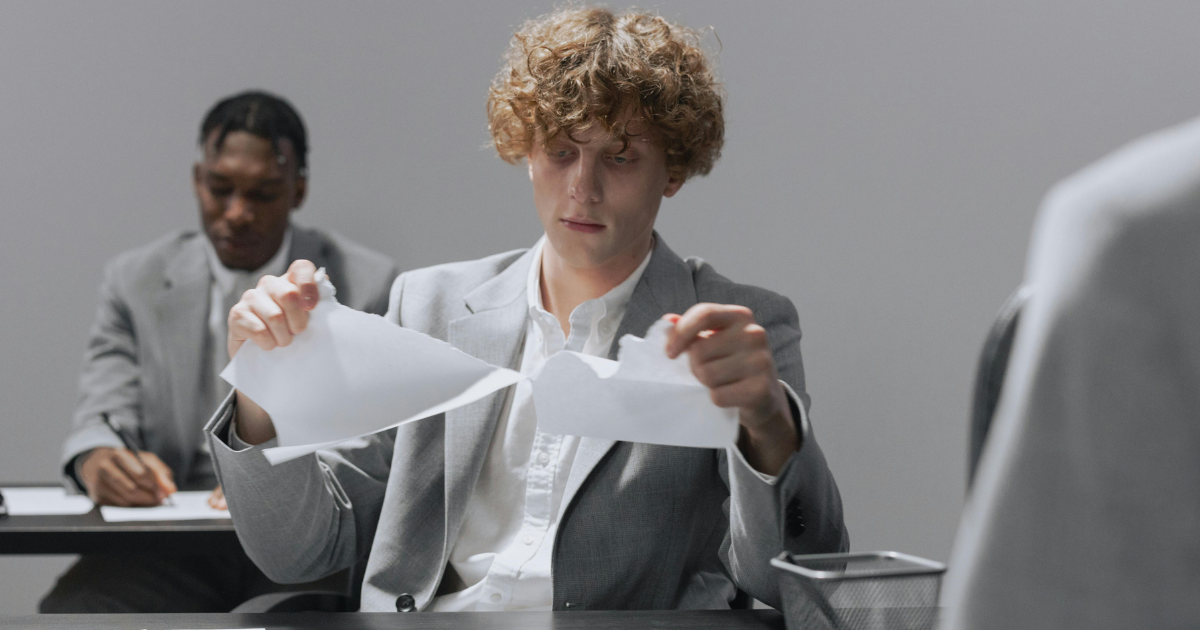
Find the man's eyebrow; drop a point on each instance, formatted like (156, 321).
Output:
(271, 181)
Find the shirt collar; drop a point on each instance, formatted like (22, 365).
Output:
(227, 279)
(614, 302)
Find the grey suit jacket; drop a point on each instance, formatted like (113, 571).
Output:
(147, 352)
(1085, 511)
(644, 526)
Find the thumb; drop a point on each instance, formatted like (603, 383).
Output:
(301, 274)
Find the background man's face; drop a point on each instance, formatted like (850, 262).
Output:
(596, 201)
(245, 197)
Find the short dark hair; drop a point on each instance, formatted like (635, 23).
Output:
(262, 114)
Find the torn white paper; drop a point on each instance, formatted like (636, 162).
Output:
(191, 505)
(50, 500)
(642, 397)
(351, 374)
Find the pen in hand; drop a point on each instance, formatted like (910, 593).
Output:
(131, 447)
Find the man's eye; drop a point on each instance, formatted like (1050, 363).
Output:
(220, 191)
(261, 197)
(620, 159)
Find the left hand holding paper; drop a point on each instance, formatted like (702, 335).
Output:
(344, 373)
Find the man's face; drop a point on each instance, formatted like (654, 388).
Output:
(597, 202)
(245, 197)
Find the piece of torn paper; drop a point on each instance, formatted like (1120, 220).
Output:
(642, 397)
(351, 374)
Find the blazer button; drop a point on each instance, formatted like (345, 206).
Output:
(405, 603)
(794, 519)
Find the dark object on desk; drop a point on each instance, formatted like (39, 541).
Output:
(989, 377)
(859, 591)
(579, 620)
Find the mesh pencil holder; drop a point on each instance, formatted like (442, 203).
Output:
(880, 590)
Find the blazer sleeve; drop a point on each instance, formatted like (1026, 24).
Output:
(110, 380)
(309, 517)
(800, 510)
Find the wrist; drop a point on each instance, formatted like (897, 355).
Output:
(252, 422)
(767, 445)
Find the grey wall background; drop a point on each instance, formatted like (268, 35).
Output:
(883, 166)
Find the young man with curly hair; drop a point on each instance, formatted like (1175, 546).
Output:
(476, 509)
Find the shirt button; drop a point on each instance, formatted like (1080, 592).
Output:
(495, 598)
(528, 540)
(543, 458)
(405, 603)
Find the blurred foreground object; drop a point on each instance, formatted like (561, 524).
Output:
(1086, 505)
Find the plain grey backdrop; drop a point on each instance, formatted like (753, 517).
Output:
(883, 165)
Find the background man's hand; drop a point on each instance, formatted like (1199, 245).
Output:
(115, 476)
(216, 500)
(729, 353)
(270, 315)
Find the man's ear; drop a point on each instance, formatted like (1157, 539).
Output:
(301, 191)
(673, 186)
(196, 183)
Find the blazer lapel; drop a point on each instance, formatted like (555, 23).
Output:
(182, 311)
(666, 287)
(493, 332)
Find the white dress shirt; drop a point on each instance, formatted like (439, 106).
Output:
(504, 549)
(226, 289)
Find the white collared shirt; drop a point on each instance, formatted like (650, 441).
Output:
(226, 289)
(504, 549)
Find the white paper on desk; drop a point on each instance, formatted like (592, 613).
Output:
(51, 500)
(351, 374)
(185, 506)
(642, 397)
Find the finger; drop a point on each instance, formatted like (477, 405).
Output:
(301, 274)
(271, 315)
(245, 325)
(719, 344)
(724, 370)
(140, 474)
(702, 317)
(747, 393)
(287, 296)
(165, 477)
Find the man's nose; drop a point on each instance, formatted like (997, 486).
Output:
(585, 184)
(239, 211)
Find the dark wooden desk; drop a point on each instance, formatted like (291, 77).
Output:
(89, 533)
(581, 620)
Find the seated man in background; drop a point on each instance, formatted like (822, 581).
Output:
(477, 509)
(158, 344)
(1085, 511)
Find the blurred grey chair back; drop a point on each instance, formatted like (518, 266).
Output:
(989, 378)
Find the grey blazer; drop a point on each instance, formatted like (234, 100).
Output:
(644, 526)
(1085, 511)
(146, 351)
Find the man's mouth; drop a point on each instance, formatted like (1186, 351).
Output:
(582, 225)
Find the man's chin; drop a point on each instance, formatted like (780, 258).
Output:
(241, 260)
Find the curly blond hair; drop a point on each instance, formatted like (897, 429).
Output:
(577, 67)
